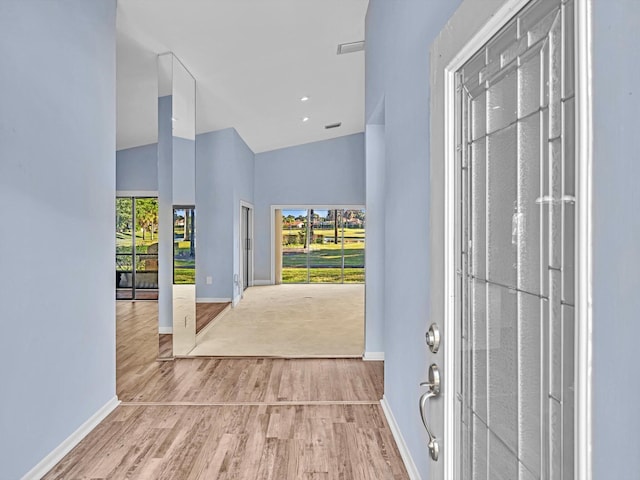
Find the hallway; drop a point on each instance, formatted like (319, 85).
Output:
(240, 418)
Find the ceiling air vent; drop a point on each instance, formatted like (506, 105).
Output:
(350, 47)
(333, 125)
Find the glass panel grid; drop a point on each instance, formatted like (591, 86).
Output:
(323, 246)
(136, 248)
(516, 250)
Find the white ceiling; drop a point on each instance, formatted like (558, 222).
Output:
(252, 60)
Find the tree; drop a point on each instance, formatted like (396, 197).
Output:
(147, 215)
(310, 236)
(123, 214)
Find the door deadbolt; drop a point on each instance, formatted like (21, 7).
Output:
(433, 338)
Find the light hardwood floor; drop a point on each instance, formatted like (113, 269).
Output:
(242, 418)
(206, 312)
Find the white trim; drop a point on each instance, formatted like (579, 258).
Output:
(584, 266)
(449, 321)
(236, 300)
(48, 462)
(212, 300)
(165, 330)
(137, 193)
(297, 207)
(262, 283)
(409, 464)
(373, 356)
(498, 20)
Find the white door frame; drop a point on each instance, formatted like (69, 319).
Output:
(248, 205)
(447, 56)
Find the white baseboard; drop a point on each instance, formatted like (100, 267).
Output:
(409, 464)
(373, 356)
(261, 283)
(48, 462)
(236, 299)
(165, 330)
(212, 300)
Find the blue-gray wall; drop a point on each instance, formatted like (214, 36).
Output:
(137, 169)
(616, 239)
(330, 172)
(224, 176)
(398, 36)
(57, 188)
(244, 184)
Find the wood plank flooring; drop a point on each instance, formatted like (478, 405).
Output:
(240, 418)
(254, 380)
(207, 312)
(237, 442)
(136, 339)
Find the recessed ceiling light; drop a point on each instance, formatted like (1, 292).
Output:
(305, 119)
(304, 99)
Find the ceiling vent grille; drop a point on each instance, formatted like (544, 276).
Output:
(333, 125)
(350, 47)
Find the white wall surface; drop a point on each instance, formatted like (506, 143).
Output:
(57, 188)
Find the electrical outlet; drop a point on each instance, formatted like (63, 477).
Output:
(209, 280)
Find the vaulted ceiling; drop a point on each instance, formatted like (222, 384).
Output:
(253, 61)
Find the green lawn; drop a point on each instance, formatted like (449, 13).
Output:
(325, 258)
(184, 276)
(321, 255)
(294, 237)
(123, 241)
(322, 275)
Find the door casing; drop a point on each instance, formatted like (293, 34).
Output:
(473, 24)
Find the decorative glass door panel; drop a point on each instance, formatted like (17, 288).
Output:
(515, 235)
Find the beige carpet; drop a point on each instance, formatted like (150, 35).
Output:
(289, 321)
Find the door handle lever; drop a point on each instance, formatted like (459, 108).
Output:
(434, 390)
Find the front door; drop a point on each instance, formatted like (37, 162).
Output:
(513, 327)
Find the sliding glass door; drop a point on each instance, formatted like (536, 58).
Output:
(353, 241)
(136, 248)
(323, 246)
